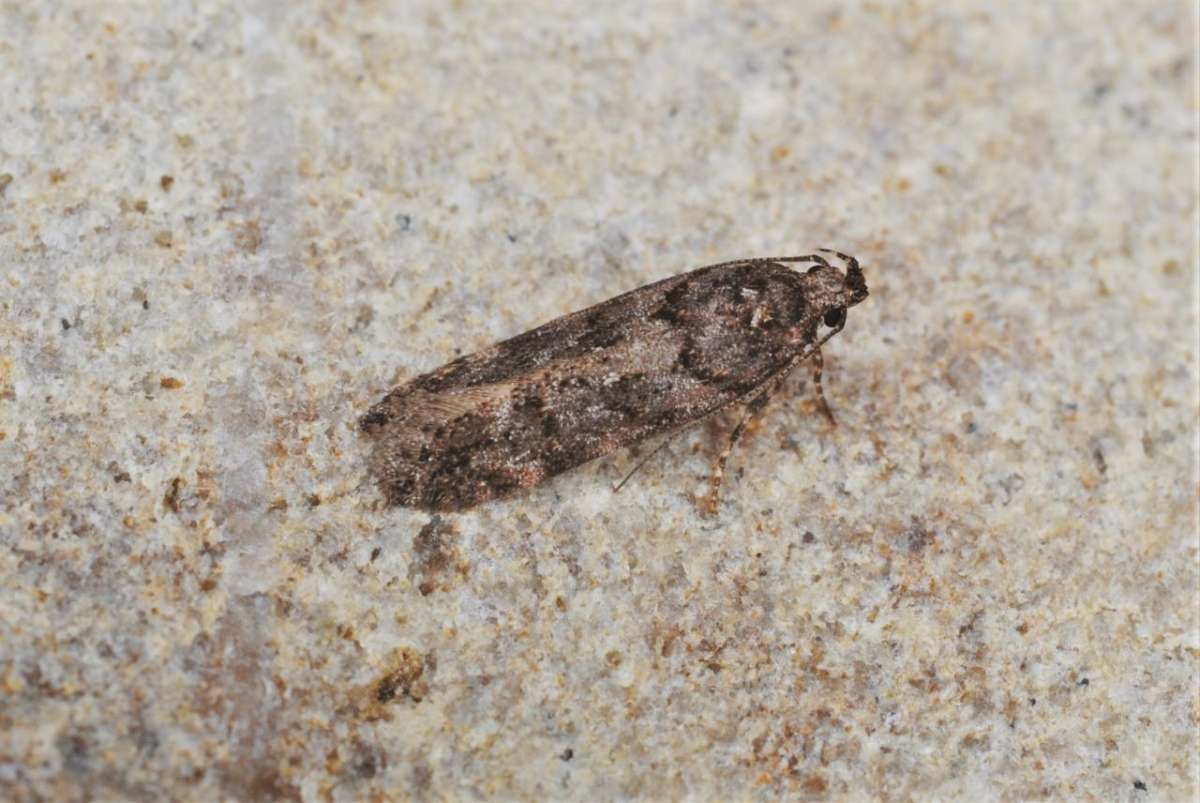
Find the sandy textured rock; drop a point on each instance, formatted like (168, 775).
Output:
(226, 229)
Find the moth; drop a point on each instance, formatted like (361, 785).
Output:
(644, 363)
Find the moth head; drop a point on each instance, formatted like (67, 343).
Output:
(831, 292)
(856, 283)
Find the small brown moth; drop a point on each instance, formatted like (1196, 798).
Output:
(642, 364)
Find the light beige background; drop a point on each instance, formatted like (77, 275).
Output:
(227, 228)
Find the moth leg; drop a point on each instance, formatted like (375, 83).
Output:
(753, 408)
(641, 463)
(818, 363)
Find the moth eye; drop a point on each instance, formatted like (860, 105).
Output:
(835, 317)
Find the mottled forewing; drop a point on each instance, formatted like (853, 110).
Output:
(576, 388)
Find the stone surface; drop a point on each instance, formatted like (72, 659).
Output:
(225, 229)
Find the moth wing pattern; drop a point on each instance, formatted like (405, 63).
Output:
(426, 407)
(642, 363)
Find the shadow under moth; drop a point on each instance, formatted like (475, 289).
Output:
(642, 364)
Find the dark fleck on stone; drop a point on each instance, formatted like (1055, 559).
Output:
(75, 750)
(919, 536)
(405, 680)
(171, 497)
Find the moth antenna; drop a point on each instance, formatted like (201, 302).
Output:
(849, 260)
(820, 260)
